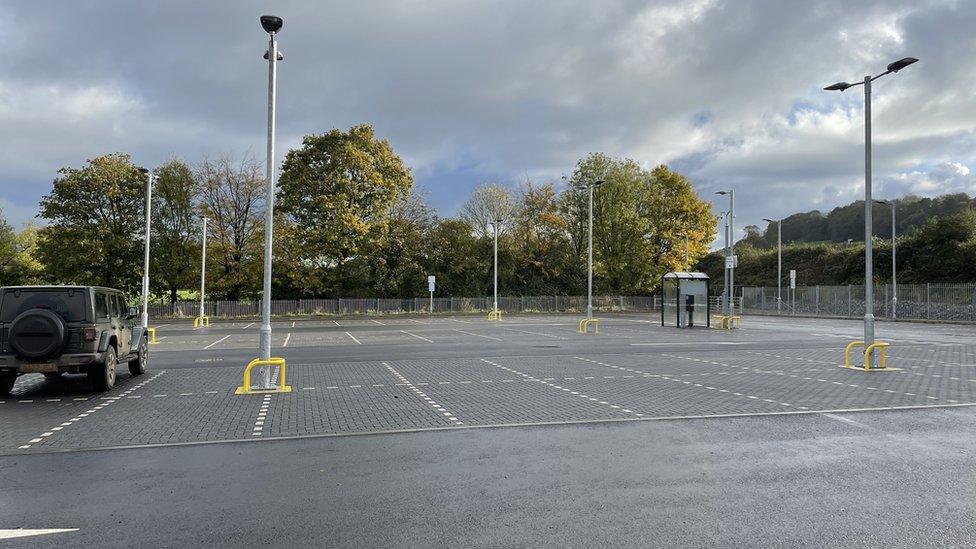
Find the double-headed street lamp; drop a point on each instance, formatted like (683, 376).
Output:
(894, 269)
(868, 204)
(589, 271)
(730, 246)
(271, 25)
(145, 263)
(779, 264)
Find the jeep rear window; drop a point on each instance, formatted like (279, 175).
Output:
(69, 303)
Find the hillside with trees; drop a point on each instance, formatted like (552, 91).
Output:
(941, 248)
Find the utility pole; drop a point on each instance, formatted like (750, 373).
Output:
(203, 267)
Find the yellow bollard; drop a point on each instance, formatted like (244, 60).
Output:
(245, 388)
(151, 332)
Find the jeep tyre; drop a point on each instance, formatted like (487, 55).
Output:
(7, 380)
(139, 364)
(102, 376)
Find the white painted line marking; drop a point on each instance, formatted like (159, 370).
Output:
(336, 322)
(377, 321)
(416, 336)
(354, 338)
(478, 335)
(216, 342)
(25, 533)
(287, 338)
(249, 325)
(293, 323)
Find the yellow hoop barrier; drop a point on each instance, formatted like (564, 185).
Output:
(201, 321)
(584, 325)
(847, 351)
(494, 315)
(881, 346)
(245, 388)
(730, 322)
(151, 332)
(721, 321)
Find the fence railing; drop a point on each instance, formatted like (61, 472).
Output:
(943, 301)
(371, 306)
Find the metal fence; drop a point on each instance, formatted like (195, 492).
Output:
(377, 306)
(915, 301)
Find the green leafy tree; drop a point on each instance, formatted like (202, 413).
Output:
(335, 189)
(175, 229)
(487, 204)
(94, 215)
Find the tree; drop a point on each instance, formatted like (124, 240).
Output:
(542, 252)
(233, 197)
(641, 220)
(398, 256)
(459, 259)
(335, 189)
(487, 203)
(94, 216)
(175, 229)
(8, 251)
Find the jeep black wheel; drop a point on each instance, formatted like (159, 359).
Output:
(102, 376)
(7, 380)
(139, 364)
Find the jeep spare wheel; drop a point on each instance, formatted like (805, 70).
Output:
(37, 334)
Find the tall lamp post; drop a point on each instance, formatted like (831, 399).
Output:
(724, 216)
(779, 264)
(203, 267)
(894, 266)
(271, 25)
(589, 269)
(730, 239)
(495, 223)
(145, 262)
(868, 248)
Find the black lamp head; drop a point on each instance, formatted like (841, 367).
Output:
(840, 86)
(271, 23)
(901, 64)
(598, 182)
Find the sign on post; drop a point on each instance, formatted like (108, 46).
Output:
(431, 280)
(732, 262)
(792, 279)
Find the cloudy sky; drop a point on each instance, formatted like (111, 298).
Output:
(726, 91)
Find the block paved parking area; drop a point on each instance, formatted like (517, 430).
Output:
(386, 374)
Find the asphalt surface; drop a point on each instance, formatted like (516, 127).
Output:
(459, 432)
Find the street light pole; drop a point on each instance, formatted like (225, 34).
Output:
(145, 262)
(779, 264)
(730, 247)
(725, 289)
(494, 225)
(868, 204)
(271, 25)
(203, 267)
(589, 270)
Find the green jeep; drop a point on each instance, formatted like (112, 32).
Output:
(68, 329)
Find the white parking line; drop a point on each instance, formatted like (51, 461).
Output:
(216, 342)
(479, 335)
(249, 325)
(293, 323)
(287, 337)
(354, 338)
(336, 322)
(417, 336)
(377, 321)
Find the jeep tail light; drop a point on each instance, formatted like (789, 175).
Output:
(90, 334)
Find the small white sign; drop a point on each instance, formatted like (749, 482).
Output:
(792, 279)
(431, 281)
(732, 262)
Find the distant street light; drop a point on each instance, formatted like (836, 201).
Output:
(495, 223)
(894, 267)
(271, 25)
(779, 264)
(730, 267)
(145, 262)
(868, 247)
(203, 267)
(589, 271)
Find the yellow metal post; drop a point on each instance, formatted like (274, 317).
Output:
(245, 388)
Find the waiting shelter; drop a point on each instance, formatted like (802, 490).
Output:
(684, 300)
